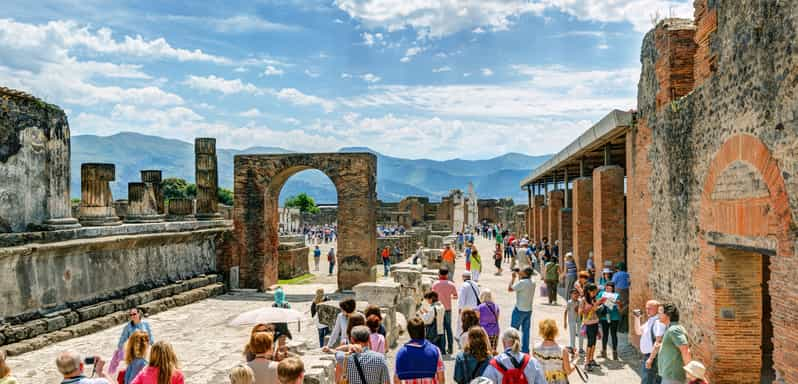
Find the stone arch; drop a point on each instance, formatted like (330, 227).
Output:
(744, 226)
(258, 182)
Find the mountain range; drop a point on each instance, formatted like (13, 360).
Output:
(396, 177)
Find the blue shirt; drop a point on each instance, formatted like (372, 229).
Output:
(621, 280)
(317, 252)
(468, 254)
(130, 328)
(133, 369)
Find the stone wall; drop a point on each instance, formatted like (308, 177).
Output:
(740, 108)
(293, 257)
(407, 244)
(34, 164)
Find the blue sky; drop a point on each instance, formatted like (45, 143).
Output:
(410, 78)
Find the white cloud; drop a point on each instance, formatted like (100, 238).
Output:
(292, 121)
(412, 51)
(372, 39)
(311, 74)
(437, 19)
(252, 113)
(442, 69)
(218, 84)
(296, 97)
(346, 76)
(371, 78)
(240, 70)
(467, 74)
(248, 23)
(338, 21)
(478, 31)
(486, 72)
(603, 46)
(273, 71)
(636, 12)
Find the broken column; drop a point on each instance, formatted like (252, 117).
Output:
(582, 220)
(207, 179)
(609, 224)
(142, 204)
(154, 177)
(180, 210)
(96, 201)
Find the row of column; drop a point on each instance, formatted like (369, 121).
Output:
(146, 198)
(590, 217)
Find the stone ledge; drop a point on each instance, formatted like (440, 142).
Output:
(113, 319)
(43, 237)
(74, 316)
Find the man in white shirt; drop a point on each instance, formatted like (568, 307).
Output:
(524, 300)
(467, 298)
(70, 364)
(650, 333)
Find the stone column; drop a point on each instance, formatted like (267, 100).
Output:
(96, 201)
(609, 221)
(142, 205)
(565, 232)
(155, 178)
(181, 210)
(582, 220)
(554, 204)
(206, 178)
(59, 205)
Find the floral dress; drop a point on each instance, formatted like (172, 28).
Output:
(550, 357)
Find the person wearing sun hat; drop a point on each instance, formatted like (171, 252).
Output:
(695, 372)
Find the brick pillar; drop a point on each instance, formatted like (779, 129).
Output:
(96, 201)
(565, 232)
(638, 227)
(543, 222)
(206, 178)
(676, 50)
(608, 214)
(537, 201)
(582, 220)
(554, 203)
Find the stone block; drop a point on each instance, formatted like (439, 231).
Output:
(435, 241)
(383, 293)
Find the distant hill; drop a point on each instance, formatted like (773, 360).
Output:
(396, 177)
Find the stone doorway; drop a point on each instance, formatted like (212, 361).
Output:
(258, 182)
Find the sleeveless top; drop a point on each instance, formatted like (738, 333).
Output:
(550, 357)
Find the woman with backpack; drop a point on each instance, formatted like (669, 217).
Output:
(555, 359)
(432, 314)
(475, 357)
(513, 366)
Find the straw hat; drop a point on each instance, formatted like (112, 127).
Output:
(696, 369)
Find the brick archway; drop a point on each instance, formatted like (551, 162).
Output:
(744, 225)
(258, 181)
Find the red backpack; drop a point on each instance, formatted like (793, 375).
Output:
(514, 375)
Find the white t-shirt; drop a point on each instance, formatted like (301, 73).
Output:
(524, 294)
(646, 345)
(469, 293)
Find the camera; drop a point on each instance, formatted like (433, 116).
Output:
(516, 270)
(637, 312)
(89, 360)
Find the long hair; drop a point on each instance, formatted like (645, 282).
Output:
(478, 343)
(4, 369)
(136, 346)
(319, 296)
(468, 319)
(163, 357)
(261, 327)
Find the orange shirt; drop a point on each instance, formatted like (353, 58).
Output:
(385, 253)
(448, 255)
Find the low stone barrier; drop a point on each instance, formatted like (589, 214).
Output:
(384, 294)
(293, 255)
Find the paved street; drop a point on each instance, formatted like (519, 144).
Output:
(207, 347)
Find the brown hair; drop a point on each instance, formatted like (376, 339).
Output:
(373, 310)
(347, 305)
(468, 319)
(261, 343)
(136, 346)
(255, 330)
(289, 370)
(354, 320)
(163, 357)
(548, 329)
(415, 328)
(584, 274)
(478, 343)
(4, 369)
(373, 322)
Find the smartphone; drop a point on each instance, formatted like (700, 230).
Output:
(638, 312)
(89, 360)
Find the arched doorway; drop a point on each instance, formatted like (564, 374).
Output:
(745, 224)
(258, 182)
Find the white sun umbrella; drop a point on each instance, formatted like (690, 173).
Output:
(268, 315)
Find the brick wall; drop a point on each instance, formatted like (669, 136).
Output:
(676, 50)
(554, 203)
(543, 220)
(608, 214)
(565, 230)
(706, 21)
(582, 219)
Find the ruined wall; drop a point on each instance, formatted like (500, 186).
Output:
(743, 111)
(34, 163)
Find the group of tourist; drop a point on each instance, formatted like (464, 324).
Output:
(390, 230)
(320, 234)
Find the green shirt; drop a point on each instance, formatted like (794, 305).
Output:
(669, 358)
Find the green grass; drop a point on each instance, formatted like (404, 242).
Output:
(297, 280)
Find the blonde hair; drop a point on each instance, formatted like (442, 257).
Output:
(548, 329)
(242, 374)
(486, 295)
(289, 370)
(510, 335)
(478, 344)
(136, 346)
(163, 357)
(4, 369)
(319, 296)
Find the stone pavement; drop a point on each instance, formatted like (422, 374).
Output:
(207, 347)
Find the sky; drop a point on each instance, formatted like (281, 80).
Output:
(440, 79)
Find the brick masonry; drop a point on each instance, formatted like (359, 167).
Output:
(582, 219)
(554, 203)
(712, 237)
(258, 181)
(609, 225)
